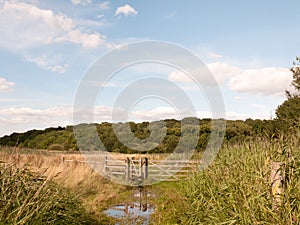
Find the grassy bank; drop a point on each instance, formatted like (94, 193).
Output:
(46, 182)
(28, 198)
(236, 188)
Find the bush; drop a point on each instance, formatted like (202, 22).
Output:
(55, 147)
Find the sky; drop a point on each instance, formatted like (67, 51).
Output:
(46, 48)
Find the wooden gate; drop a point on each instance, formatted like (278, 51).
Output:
(132, 170)
(171, 170)
(144, 171)
(136, 169)
(141, 169)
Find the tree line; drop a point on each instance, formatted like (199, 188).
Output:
(287, 122)
(63, 138)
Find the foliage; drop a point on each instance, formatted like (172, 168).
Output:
(288, 113)
(27, 139)
(296, 74)
(90, 134)
(26, 198)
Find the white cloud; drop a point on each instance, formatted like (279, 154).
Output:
(260, 107)
(241, 116)
(214, 55)
(25, 118)
(238, 98)
(81, 2)
(27, 114)
(58, 68)
(159, 113)
(91, 23)
(261, 114)
(204, 114)
(179, 76)
(88, 41)
(222, 71)
(265, 81)
(104, 5)
(44, 62)
(25, 26)
(125, 10)
(5, 86)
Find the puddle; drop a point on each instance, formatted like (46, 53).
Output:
(136, 212)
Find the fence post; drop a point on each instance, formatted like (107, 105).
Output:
(105, 164)
(63, 160)
(141, 169)
(145, 168)
(127, 168)
(132, 169)
(277, 179)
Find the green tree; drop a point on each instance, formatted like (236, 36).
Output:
(288, 113)
(296, 74)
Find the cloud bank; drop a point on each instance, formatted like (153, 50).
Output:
(26, 26)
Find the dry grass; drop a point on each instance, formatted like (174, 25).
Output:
(93, 191)
(28, 197)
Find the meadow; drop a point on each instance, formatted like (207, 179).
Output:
(235, 189)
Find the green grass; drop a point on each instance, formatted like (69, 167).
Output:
(27, 198)
(235, 189)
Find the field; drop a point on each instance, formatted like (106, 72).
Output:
(235, 189)
(90, 189)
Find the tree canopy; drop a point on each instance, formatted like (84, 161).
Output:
(296, 74)
(288, 113)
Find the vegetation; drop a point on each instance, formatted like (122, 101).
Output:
(296, 74)
(236, 188)
(64, 138)
(35, 188)
(28, 198)
(288, 114)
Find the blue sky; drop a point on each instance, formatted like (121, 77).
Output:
(47, 46)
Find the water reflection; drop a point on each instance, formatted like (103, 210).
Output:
(136, 212)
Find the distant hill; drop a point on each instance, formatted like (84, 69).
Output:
(63, 138)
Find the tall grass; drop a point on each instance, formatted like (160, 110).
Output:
(36, 188)
(235, 189)
(28, 198)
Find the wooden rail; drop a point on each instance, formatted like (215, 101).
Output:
(139, 170)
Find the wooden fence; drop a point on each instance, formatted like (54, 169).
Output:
(138, 170)
(141, 169)
(171, 170)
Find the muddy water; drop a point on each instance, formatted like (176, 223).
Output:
(136, 212)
